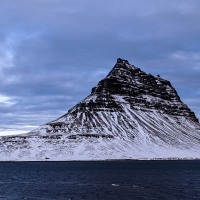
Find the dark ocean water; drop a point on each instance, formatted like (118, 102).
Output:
(100, 180)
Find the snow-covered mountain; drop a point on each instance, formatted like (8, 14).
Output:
(130, 114)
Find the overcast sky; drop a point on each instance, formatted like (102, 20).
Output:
(52, 52)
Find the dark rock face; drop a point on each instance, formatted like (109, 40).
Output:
(140, 89)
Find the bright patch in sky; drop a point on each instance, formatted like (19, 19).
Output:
(7, 101)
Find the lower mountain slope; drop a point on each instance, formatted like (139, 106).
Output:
(129, 115)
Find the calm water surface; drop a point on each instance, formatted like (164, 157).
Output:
(100, 180)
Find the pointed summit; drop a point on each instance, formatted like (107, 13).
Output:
(122, 61)
(121, 66)
(142, 89)
(118, 79)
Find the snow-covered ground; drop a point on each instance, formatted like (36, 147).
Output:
(150, 138)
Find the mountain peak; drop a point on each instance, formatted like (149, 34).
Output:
(124, 64)
(122, 61)
(142, 89)
(130, 114)
(121, 69)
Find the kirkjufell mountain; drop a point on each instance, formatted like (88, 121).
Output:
(130, 114)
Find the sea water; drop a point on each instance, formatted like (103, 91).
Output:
(101, 180)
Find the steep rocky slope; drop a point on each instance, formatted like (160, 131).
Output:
(130, 114)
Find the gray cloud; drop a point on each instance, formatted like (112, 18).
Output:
(53, 52)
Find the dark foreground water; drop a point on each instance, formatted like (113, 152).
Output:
(100, 180)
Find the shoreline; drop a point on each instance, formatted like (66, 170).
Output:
(106, 160)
